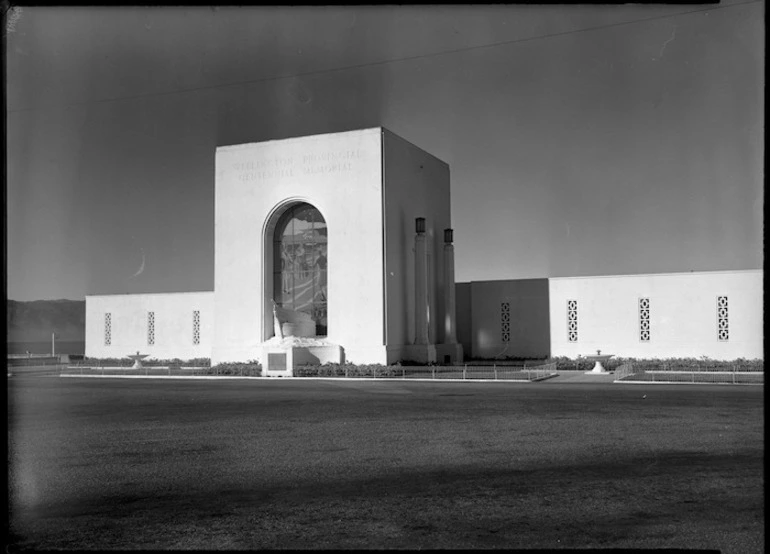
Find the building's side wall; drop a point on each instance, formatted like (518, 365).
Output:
(173, 327)
(683, 315)
(341, 175)
(416, 184)
(528, 325)
(464, 314)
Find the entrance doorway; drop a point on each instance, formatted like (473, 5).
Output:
(300, 263)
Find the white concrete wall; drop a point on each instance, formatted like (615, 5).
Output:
(416, 184)
(252, 181)
(173, 325)
(529, 324)
(683, 315)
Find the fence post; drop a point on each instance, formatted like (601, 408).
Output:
(465, 368)
(433, 371)
(494, 366)
(403, 372)
(733, 375)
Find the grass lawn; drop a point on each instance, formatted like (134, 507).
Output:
(152, 464)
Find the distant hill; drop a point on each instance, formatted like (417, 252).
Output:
(36, 320)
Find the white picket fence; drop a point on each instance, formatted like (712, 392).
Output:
(466, 372)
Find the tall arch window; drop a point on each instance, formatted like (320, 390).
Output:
(299, 263)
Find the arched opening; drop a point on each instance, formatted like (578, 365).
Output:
(300, 263)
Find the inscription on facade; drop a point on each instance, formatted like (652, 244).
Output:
(282, 167)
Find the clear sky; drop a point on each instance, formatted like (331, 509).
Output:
(582, 140)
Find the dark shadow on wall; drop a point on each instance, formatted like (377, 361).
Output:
(526, 333)
(463, 316)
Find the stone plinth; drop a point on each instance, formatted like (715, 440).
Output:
(277, 362)
(281, 356)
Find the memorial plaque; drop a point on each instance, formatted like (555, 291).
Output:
(276, 361)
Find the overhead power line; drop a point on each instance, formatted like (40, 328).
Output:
(389, 61)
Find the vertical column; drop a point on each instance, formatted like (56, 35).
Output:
(420, 283)
(450, 334)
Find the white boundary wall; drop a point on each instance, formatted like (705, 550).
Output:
(173, 333)
(683, 315)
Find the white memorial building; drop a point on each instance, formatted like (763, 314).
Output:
(338, 247)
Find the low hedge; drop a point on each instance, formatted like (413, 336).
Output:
(345, 370)
(252, 368)
(149, 362)
(564, 363)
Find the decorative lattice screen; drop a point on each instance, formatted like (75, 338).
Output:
(150, 328)
(505, 321)
(107, 329)
(196, 327)
(644, 319)
(723, 324)
(572, 321)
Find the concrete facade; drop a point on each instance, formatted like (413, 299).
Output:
(129, 327)
(416, 184)
(683, 315)
(369, 186)
(681, 319)
(339, 174)
(481, 311)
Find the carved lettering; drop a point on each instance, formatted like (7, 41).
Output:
(278, 167)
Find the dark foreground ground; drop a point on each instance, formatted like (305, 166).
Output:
(152, 464)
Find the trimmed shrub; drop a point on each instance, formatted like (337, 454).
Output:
(252, 368)
(345, 370)
(675, 364)
(173, 363)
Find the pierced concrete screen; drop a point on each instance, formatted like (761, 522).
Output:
(505, 321)
(572, 321)
(196, 327)
(723, 325)
(150, 328)
(644, 319)
(107, 329)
